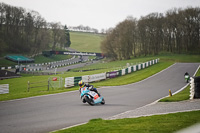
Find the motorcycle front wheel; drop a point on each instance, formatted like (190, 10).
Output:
(103, 101)
(89, 101)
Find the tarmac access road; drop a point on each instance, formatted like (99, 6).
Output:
(52, 112)
(67, 68)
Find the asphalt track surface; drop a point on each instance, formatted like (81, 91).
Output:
(53, 112)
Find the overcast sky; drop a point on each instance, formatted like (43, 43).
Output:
(99, 14)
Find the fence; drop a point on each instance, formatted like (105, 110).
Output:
(73, 81)
(54, 82)
(38, 85)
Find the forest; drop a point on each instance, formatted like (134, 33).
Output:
(176, 31)
(27, 32)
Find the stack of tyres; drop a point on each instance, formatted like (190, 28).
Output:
(197, 87)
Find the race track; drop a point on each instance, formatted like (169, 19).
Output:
(52, 112)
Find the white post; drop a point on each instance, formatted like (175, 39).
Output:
(55, 70)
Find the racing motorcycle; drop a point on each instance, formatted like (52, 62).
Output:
(90, 97)
(187, 78)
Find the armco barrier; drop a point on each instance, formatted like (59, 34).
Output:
(112, 74)
(73, 81)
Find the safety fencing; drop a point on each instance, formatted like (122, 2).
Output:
(53, 82)
(73, 81)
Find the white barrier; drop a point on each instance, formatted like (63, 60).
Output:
(134, 68)
(147, 64)
(139, 66)
(123, 71)
(129, 69)
(4, 88)
(69, 82)
(96, 77)
(85, 78)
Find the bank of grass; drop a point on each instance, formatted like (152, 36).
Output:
(43, 59)
(156, 124)
(5, 63)
(86, 42)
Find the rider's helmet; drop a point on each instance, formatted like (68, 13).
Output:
(81, 83)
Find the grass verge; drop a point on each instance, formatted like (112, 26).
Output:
(157, 124)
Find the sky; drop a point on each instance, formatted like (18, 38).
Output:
(99, 14)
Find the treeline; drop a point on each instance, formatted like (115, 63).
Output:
(26, 31)
(176, 31)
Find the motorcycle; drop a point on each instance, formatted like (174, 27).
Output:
(187, 78)
(90, 97)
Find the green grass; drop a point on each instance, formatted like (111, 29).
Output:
(155, 124)
(5, 63)
(43, 59)
(86, 42)
(198, 73)
(183, 95)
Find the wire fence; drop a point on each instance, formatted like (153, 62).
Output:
(53, 82)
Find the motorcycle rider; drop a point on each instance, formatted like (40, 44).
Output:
(91, 87)
(187, 74)
(187, 78)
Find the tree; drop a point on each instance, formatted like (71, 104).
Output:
(121, 41)
(55, 27)
(67, 35)
(25, 31)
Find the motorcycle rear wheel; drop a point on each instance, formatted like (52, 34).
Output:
(103, 101)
